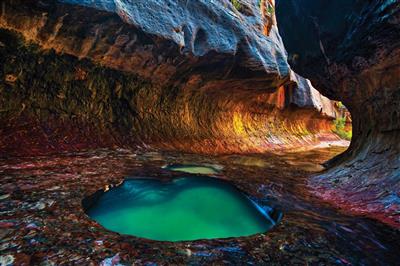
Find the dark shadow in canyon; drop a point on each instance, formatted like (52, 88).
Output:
(351, 51)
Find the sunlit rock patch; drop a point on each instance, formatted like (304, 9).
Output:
(74, 104)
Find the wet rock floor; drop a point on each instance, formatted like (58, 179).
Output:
(42, 221)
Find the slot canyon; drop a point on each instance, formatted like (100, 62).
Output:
(199, 132)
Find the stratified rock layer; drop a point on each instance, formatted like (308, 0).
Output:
(351, 52)
(92, 79)
(197, 43)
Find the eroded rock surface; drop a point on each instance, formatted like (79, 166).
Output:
(100, 74)
(168, 42)
(46, 224)
(351, 52)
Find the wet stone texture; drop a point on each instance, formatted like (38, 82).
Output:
(42, 220)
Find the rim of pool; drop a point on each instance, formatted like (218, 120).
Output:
(117, 208)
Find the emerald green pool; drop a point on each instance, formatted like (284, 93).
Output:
(187, 208)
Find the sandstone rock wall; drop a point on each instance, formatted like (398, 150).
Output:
(165, 41)
(63, 103)
(351, 52)
(192, 75)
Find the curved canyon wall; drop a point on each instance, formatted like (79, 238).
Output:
(200, 77)
(351, 52)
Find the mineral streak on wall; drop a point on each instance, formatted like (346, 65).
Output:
(77, 77)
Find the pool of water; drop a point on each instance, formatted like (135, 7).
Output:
(185, 208)
(41, 212)
(194, 168)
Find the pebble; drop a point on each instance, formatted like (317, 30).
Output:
(4, 196)
(32, 226)
(39, 206)
(6, 260)
(113, 261)
(186, 252)
(99, 242)
(6, 224)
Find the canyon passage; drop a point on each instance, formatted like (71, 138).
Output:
(182, 132)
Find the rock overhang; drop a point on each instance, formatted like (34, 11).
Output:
(202, 27)
(237, 97)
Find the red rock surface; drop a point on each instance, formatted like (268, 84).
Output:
(147, 92)
(42, 219)
(351, 51)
